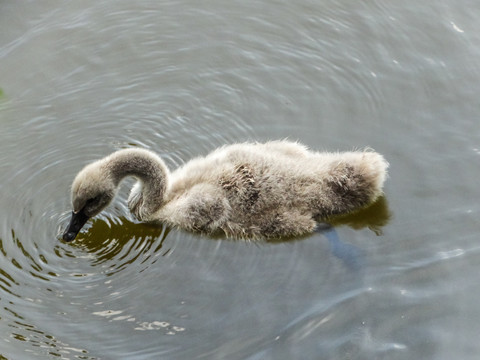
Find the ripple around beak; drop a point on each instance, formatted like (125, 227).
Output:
(76, 223)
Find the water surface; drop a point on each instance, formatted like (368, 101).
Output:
(79, 80)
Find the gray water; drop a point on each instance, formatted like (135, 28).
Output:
(79, 80)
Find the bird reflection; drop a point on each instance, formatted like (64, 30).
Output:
(123, 241)
(126, 241)
(373, 217)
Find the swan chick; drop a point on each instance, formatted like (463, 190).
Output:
(249, 190)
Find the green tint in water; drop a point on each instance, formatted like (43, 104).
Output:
(331, 75)
(374, 217)
(121, 243)
(2, 98)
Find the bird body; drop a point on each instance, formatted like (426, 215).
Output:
(249, 190)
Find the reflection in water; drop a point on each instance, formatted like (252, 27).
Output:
(16, 310)
(44, 344)
(100, 234)
(6, 280)
(81, 79)
(351, 255)
(121, 243)
(125, 242)
(373, 217)
(34, 264)
(118, 243)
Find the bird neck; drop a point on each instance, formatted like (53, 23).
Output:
(150, 170)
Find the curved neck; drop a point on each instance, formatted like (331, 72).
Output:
(149, 169)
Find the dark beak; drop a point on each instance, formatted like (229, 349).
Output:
(76, 223)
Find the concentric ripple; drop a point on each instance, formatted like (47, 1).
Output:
(79, 80)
